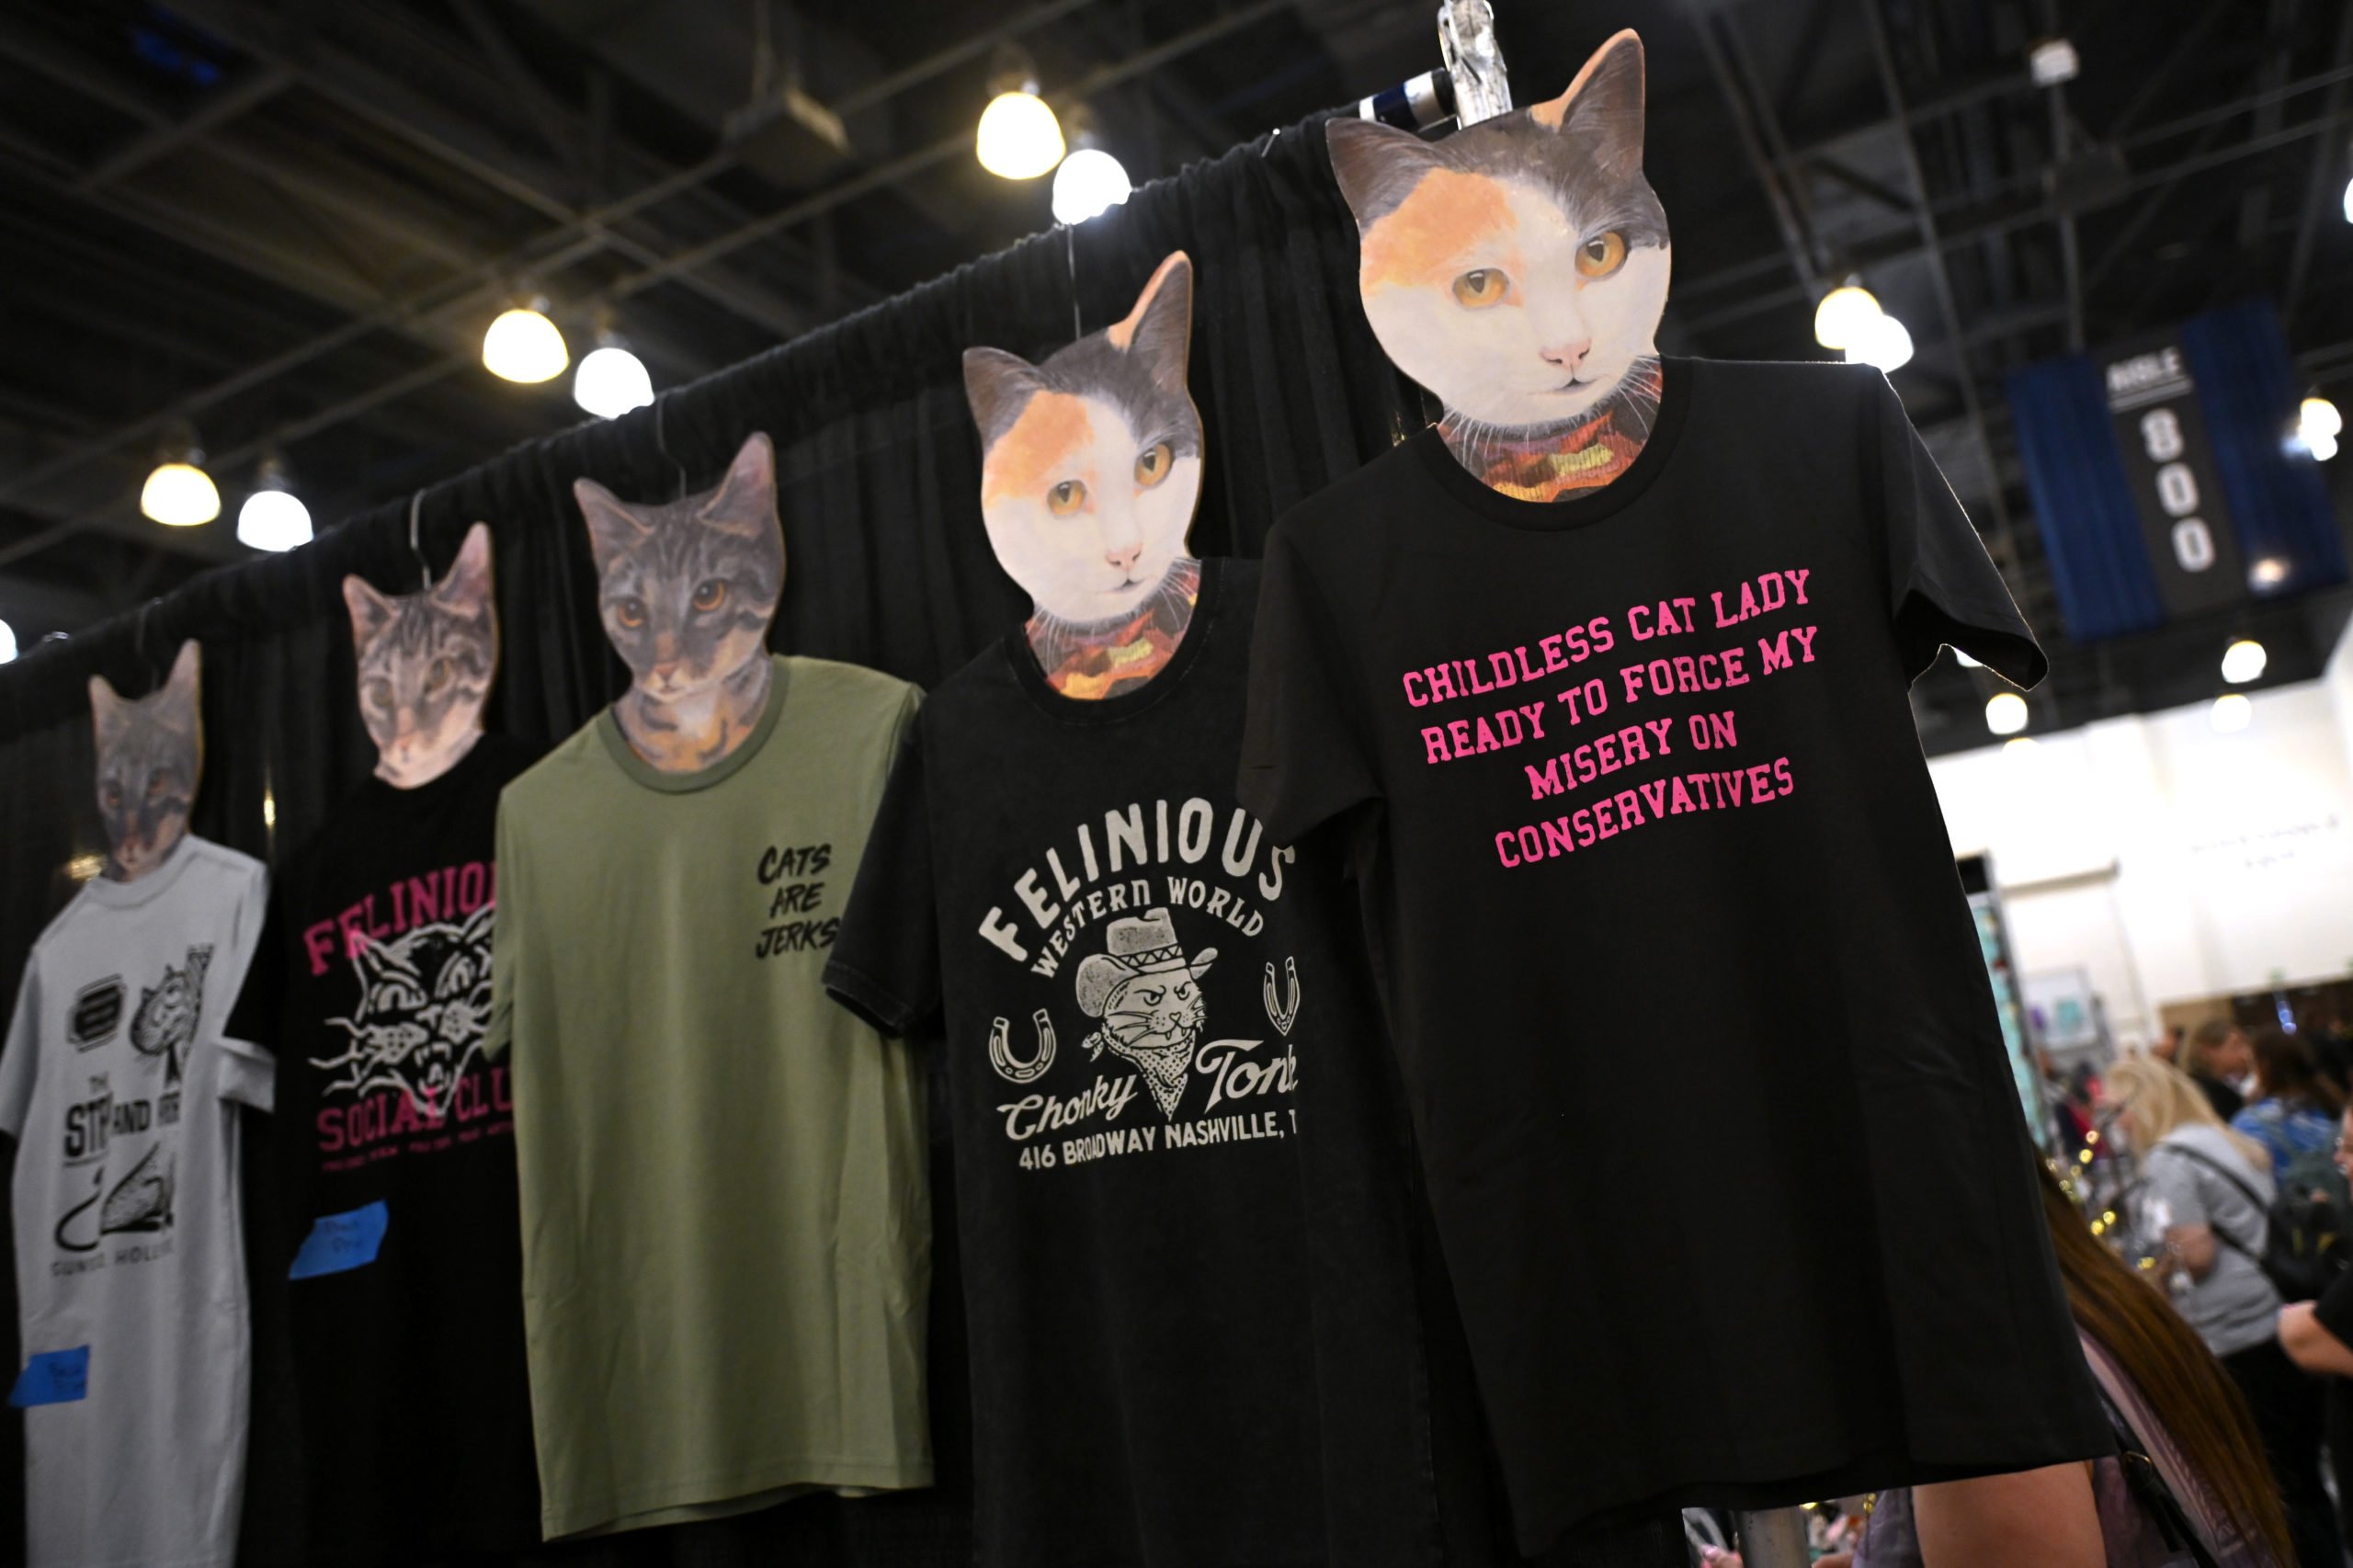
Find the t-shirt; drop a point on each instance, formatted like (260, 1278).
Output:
(726, 1231)
(131, 1267)
(1714, 1106)
(1184, 1256)
(396, 1171)
(2198, 1177)
(2334, 1312)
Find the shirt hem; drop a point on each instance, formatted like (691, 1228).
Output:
(717, 1490)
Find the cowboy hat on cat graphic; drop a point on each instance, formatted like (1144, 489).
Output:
(1135, 946)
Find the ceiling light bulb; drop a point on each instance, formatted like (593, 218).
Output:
(610, 382)
(2006, 713)
(1019, 138)
(1090, 182)
(2267, 573)
(2021, 745)
(2348, 200)
(2231, 712)
(179, 496)
(1883, 341)
(8, 642)
(522, 344)
(2318, 416)
(1843, 314)
(2243, 661)
(273, 519)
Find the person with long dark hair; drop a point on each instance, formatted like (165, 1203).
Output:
(2192, 1461)
(2216, 1055)
(2294, 1112)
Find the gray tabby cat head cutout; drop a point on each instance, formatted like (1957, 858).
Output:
(151, 751)
(425, 664)
(687, 588)
(1091, 461)
(1518, 267)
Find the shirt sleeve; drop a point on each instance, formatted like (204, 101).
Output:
(885, 962)
(2334, 1310)
(244, 1072)
(20, 1055)
(1943, 587)
(257, 1016)
(1303, 757)
(509, 932)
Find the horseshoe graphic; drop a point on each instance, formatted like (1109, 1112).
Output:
(1001, 1050)
(1282, 1015)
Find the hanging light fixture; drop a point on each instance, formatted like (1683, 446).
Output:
(2231, 713)
(522, 344)
(1019, 136)
(178, 493)
(611, 381)
(1089, 183)
(1844, 312)
(1883, 341)
(2243, 661)
(273, 516)
(2006, 713)
(2318, 424)
(8, 642)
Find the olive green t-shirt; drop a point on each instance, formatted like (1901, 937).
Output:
(726, 1231)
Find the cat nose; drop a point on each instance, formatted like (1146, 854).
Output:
(1567, 356)
(1125, 557)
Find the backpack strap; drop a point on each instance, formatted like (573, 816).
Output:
(2245, 1190)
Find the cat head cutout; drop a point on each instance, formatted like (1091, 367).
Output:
(425, 664)
(1091, 461)
(687, 588)
(1518, 268)
(151, 751)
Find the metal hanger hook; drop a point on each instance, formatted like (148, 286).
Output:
(415, 547)
(661, 443)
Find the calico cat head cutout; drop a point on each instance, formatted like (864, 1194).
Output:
(151, 751)
(425, 664)
(1091, 461)
(687, 588)
(1518, 268)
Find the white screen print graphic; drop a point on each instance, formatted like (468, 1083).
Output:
(1153, 920)
(120, 1137)
(423, 1003)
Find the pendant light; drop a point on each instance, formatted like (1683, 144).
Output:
(273, 516)
(523, 346)
(1845, 313)
(2243, 661)
(611, 381)
(178, 493)
(8, 642)
(1018, 137)
(2006, 713)
(1090, 183)
(2231, 713)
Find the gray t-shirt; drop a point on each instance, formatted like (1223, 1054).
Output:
(130, 1256)
(2234, 1308)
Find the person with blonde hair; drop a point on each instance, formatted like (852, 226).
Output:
(2204, 1198)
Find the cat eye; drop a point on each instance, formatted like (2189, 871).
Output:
(1066, 497)
(1481, 287)
(631, 613)
(710, 594)
(158, 782)
(438, 675)
(1154, 466)
(380, 693)
(1602, 254)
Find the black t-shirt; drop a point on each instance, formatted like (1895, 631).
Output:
(1180, 1185)
(371, 986)
(1710, 1090)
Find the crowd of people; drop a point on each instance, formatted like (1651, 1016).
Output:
(2209, 1283)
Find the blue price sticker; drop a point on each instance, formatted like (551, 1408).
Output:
(54, 1377)
(338, 1242)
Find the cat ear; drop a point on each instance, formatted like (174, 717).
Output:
(613, 527)
(998, 385)
(745, 501)
(1377, 166)
(1159, 331)
(105, 709)
(467, 589)
(370, 610)
(180, 690)
(1605, 103)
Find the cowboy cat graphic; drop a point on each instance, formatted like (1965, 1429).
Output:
(1148, 996)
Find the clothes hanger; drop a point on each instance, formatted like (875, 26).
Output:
(416, 548)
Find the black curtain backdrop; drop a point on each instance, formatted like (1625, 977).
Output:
(886, 566)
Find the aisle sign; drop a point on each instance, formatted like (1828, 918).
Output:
(2169, 463)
